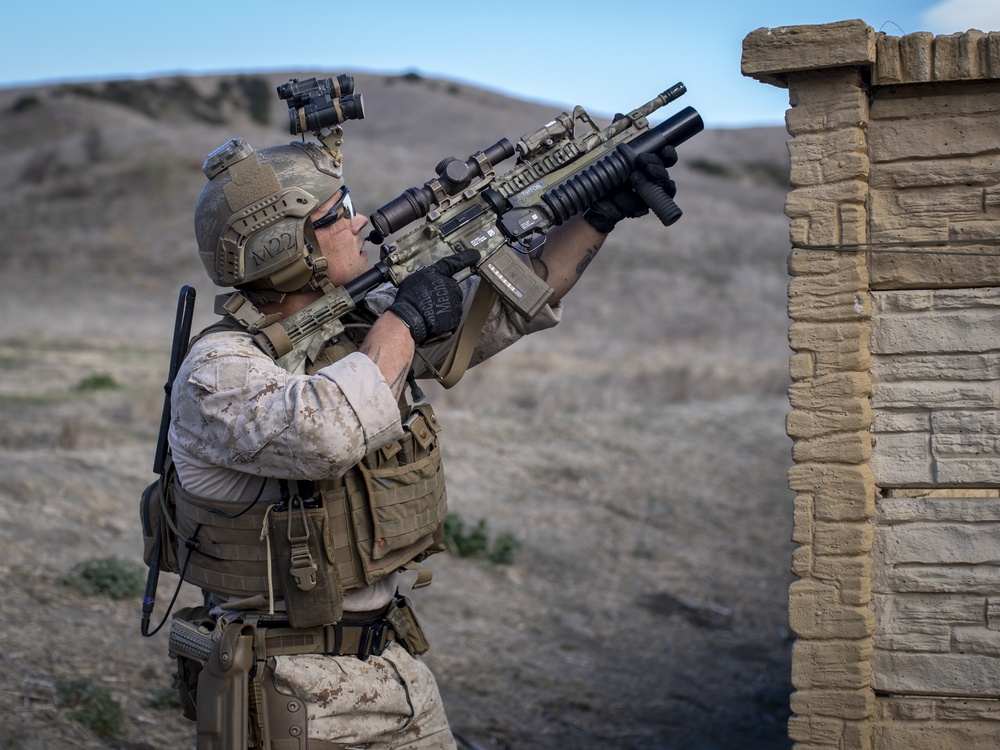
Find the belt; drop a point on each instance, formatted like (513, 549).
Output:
(349, 637)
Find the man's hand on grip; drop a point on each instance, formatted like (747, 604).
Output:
(429, 301)
(625, 202)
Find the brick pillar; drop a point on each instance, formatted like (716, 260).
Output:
(895, 280)
(826, 70)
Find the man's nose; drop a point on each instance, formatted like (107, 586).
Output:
(358, 223)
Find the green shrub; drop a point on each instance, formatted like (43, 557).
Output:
(98, 382)
(775, 173)
(475, 543)
(713, 168)
(91, 706)
(503, 549)
(458, 542)
(259, 94)
(24, 103)
(164, 699)
(152, 98)
(112, 576)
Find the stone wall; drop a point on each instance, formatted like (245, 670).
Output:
(894, 303)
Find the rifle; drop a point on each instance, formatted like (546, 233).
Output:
(561, 168)
(151, 528)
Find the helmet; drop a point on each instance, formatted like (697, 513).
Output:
(251, 221)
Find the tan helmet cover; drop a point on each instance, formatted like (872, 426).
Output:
(251, 220)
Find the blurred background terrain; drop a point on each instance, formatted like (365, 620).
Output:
(635, 454)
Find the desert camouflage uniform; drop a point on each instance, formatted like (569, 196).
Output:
(238, 420)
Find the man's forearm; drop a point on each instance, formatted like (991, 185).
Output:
(561, 260)
(390, 346)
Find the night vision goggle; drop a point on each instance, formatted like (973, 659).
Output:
(317, 104)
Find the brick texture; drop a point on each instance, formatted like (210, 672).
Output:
(894, 307)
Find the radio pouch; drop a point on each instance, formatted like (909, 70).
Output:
(304, 556)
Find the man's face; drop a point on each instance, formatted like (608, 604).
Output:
(341, 243)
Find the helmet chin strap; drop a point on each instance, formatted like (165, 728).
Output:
(319, 279)
(260, 296)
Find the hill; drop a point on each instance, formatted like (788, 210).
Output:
(636, 452)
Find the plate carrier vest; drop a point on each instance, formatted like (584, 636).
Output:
(338, 534)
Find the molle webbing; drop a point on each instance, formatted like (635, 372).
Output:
(335, 493)
(382, 514)
(396, 499)
(229, 556)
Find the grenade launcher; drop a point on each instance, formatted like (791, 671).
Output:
(561, 169)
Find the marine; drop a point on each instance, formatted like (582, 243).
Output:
(302, 482)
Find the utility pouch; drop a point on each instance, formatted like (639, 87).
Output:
(224, 689)
(404, 621)
(404, 483)
(156, 512)
(305, 560)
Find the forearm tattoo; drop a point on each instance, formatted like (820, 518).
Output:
(374, 353)
(396, 386)
(541, 268)
(586, 259)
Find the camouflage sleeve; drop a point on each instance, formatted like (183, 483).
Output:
(233, 407)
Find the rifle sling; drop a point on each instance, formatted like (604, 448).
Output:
(457, 361)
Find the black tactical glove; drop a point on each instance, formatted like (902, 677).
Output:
(429, 301)
(625, 202)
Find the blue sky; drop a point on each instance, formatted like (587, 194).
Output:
(606, 56)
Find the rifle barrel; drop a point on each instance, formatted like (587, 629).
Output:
(367, 281)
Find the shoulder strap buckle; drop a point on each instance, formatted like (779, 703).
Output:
(243, 311)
